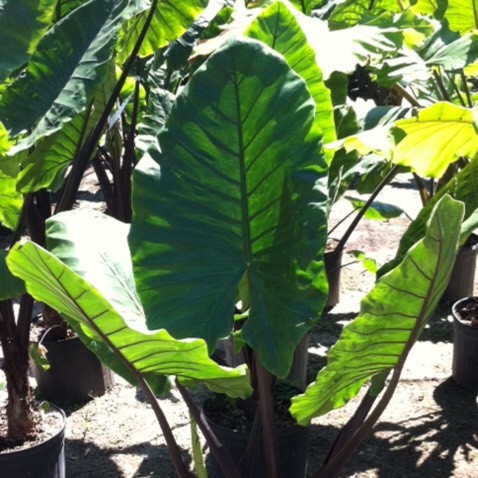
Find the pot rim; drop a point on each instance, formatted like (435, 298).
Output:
(32, 449)
(457, 306)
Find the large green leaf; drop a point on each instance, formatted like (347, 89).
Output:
(461, 187)
(170, 21)
(10, 286)
(391, 317)
(117, 321)
(11, 201)
(8, 166)
(450, 50)
(237, 189)
(462, 15)
(62, 74)
(351, 12)
(435, 138)
(277, 28)
(45, 167)
(22, 24)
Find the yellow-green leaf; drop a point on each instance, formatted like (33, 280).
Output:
(435, 138)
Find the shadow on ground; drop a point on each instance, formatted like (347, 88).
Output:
(85, 459)
(396, 450)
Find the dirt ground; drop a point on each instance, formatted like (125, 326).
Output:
(430, 428)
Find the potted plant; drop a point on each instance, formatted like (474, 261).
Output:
(204, 222)
(465, 342)
(32, 440)
(38, 140)
(195, 258)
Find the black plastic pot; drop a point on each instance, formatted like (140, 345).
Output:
(45, 460)
(292, 443)
(465, 348)
(75, 374)
(462, 279)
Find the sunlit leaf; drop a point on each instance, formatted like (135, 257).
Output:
(277, 28)
(64, 71)
(115, 325)
(391, 318)
(170, 21)
(435, 138)
(229, 194)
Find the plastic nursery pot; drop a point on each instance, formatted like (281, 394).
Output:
(45, 460)
(75, 374)
(465, 343)
(292, 444)
(462, 279)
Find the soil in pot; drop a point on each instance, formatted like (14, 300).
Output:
(232, 426)
(42, 456)
(75, 374)
(465, 343)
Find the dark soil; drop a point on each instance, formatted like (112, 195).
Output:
(47, 424)
(468, 312)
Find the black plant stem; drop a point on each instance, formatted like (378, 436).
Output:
(421, 189)
(467, 91)
(341, 244)
(222, 455)
(405, 94)
(171, 443)
(266, 409)
(124, 199)
(173, 447)
(351, 213)
(456, 89)
(84, 154)
(349, 429)
(441, 85)
(98, 165)
(335, 464)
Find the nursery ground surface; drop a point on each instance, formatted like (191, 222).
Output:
(430, 428)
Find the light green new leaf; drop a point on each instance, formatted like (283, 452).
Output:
(64, 71)
(377, 211)
(237, 189)
(462, 15)
(117, 321)
(10, 286)
(170, 21)
(368, 263)
(22, 24)
(277, 28)
(391, 317)
(461, 187)
(435, 138)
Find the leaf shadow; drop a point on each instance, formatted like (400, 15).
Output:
(84, 458)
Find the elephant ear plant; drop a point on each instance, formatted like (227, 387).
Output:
(229, 222)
